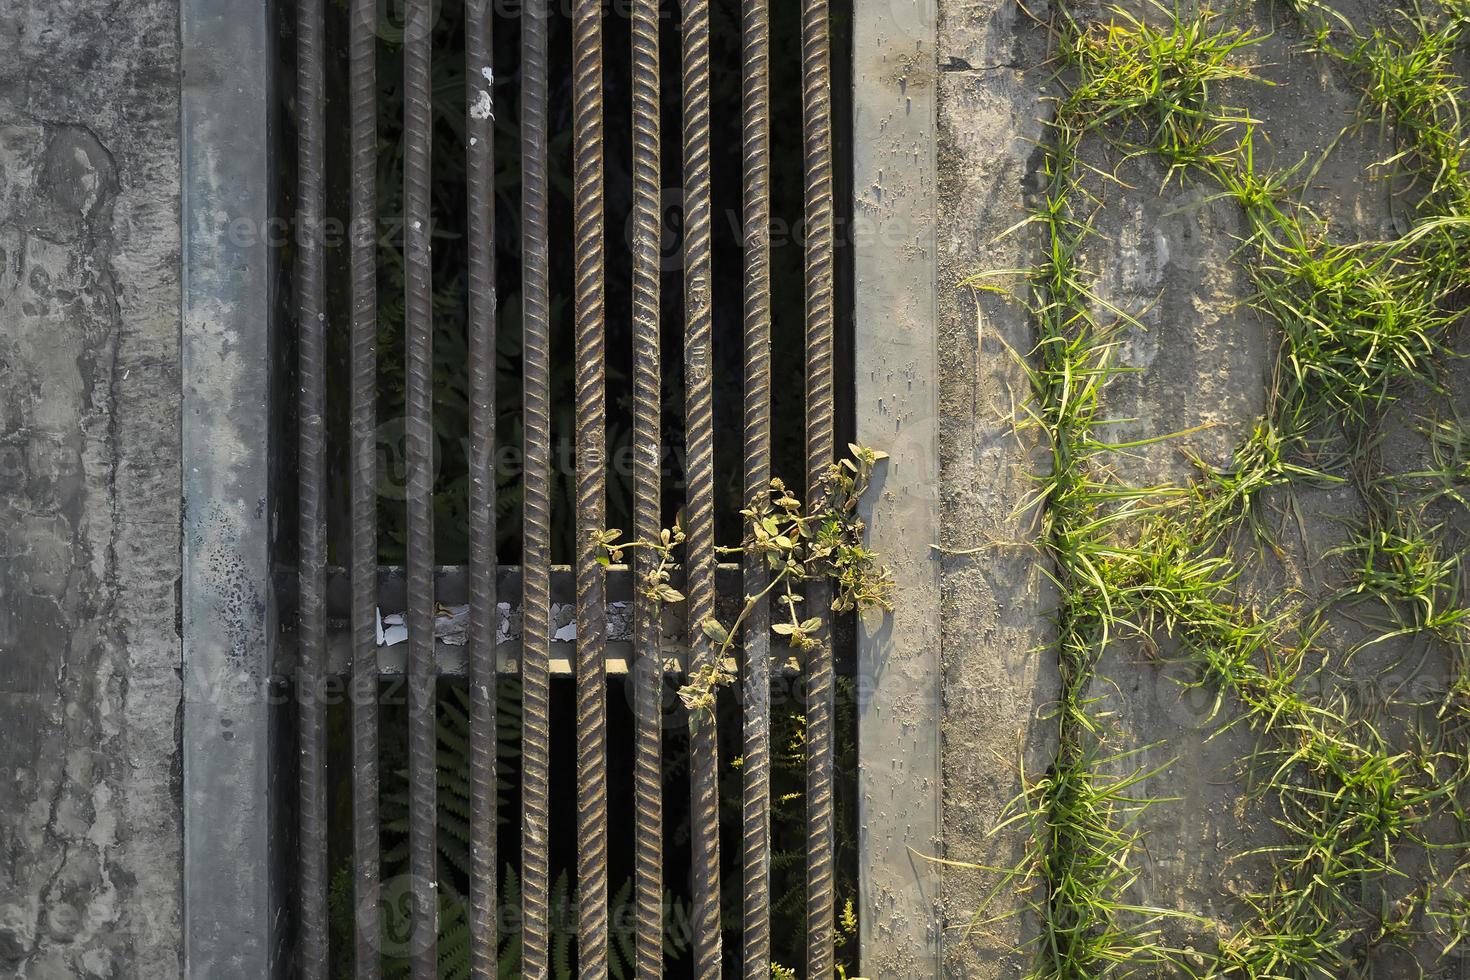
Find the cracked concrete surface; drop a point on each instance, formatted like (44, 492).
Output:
(89, 498)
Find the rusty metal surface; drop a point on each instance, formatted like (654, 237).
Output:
(755, 820)
(362, 96)
(816, 112)
(419, 428)
(483, 614)
(482, 582)
(648, 679)
(536, 549)
(699, 478)
(591, 396)
(311, 484)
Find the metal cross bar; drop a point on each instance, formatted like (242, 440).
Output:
(452, 591)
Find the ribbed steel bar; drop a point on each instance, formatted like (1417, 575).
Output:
(755, 106)
(419, 443)
(311, 459)
(363, 112)
(591, 395)
(536, 548)
(699, 477)
(484, 618)
(816, 105)
(647, 519)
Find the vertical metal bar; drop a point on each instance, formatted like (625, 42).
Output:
(536, 551)
(311, 317)
(699, 476)
(755, 108)
(363, 110)
(816, 106)
(591, 394)
(480, 171)
(419, 429)
(648, 677)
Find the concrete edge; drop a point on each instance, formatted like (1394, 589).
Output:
(896, 399)
(231, 895)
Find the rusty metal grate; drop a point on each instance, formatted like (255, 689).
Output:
(482, 582)
(254, 897)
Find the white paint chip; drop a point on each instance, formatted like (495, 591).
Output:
(484, 107)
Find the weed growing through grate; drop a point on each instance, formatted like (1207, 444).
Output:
(798, 547)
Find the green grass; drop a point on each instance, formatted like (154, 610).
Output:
(1358, 323)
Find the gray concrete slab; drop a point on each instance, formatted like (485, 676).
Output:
(90, 885)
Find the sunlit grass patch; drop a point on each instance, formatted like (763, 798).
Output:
(1358, 324)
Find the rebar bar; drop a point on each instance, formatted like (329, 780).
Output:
(816, 104)
(419, 453)
(699, 480)
(755, 109)
(648, 676)
(591, 394)
(484, 617)
(363, 112)
(536, 549)
(311, 480)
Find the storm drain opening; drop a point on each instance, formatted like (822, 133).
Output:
(560, 270)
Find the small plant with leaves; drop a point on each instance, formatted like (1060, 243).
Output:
(800, 546)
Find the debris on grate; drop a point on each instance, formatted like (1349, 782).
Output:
(451, 624)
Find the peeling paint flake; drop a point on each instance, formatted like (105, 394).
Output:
(484, 107)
